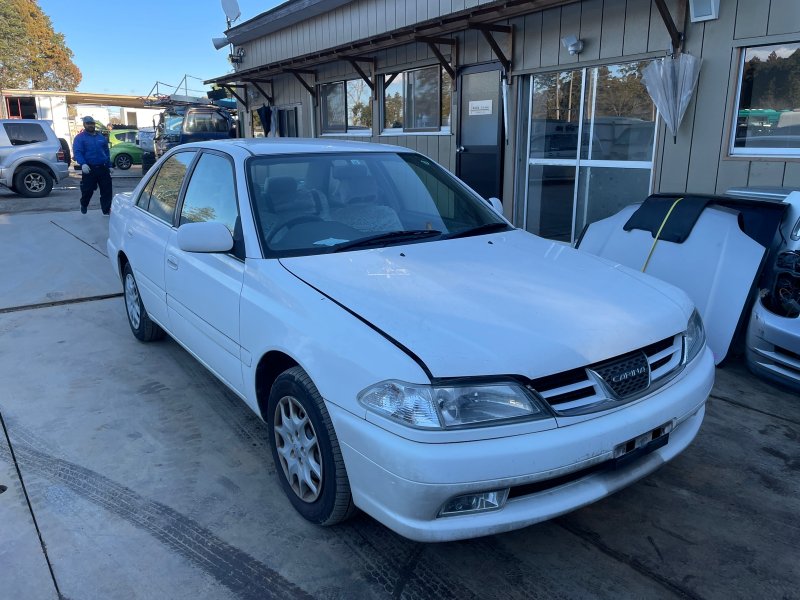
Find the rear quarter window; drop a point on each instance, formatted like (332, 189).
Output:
(20, 134)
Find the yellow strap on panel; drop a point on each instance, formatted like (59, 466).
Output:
(655, 241)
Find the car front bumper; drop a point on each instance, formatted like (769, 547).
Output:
(773, 346)
(404, 483)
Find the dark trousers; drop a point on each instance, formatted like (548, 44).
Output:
(99, 176)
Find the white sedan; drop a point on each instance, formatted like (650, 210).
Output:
(413, 354)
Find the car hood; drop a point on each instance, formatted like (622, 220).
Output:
(508, 303)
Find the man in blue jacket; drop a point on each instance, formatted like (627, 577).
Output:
(90, 150)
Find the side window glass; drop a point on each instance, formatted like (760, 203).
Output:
(164, 196)
(220, 124)
(143, 201)
(211, 193)
(20, 134)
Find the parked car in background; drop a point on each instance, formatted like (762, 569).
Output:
(124, 151)
(182, 124)
(413, 354)
(31, 157)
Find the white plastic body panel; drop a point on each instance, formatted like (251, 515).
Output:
(715, 266)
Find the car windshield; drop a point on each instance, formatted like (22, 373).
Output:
(326, 202)
(173, 123)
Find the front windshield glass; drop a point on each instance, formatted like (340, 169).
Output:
(173, 123)
(316, 203)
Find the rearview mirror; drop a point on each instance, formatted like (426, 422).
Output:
(496, 205)
(204, 237)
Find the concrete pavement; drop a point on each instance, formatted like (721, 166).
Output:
(148, 479)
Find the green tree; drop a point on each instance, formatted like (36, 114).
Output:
(32, 54)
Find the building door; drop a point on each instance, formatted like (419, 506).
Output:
(479, 153)
(590, 143)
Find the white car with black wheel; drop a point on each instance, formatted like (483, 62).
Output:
(414, 355)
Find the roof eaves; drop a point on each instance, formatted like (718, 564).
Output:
(283, 16)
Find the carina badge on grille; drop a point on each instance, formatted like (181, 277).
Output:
(627, 375)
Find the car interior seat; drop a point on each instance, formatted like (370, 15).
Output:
(356, 201)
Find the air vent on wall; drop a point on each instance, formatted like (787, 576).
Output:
(703, 10)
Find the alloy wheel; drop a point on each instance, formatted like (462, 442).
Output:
(298, 449)
(132, 303)
(34, 182)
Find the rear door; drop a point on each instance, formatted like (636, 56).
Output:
(148, 228)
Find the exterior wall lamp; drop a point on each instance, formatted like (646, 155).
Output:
(572, 44)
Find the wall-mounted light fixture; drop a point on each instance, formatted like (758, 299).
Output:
(237, 57)
(572, 44)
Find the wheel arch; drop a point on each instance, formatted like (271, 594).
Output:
(270, 366)
(34, 163)
(122, 260)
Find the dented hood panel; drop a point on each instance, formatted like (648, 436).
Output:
(508, 303)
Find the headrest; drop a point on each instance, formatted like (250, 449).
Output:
(350, 172)
(281, 186)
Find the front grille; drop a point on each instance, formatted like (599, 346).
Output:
(591, 388)
(627, 375)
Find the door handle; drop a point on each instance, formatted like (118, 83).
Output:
(172, 262)
(130, 232)
(460, 150)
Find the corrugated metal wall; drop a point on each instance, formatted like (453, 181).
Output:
(612, 30)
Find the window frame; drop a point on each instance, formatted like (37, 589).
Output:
(439, 129)
(345, 129)
(754, 152)
(154, 181)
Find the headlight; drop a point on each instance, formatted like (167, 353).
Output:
(437, 407)
(694, 338)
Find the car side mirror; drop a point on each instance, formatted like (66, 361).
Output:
(496, 205)
(204, 237)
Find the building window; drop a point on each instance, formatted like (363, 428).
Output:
(417, 100)
(768, 106)
(346, 107)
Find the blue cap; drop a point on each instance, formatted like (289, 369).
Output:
(88, 119)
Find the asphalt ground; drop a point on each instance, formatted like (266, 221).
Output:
(130, 472)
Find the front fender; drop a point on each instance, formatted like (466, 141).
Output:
(341, 354)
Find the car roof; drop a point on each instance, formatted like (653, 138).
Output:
(261, 146)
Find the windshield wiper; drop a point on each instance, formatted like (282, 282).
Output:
(485, 228)
(389, 237)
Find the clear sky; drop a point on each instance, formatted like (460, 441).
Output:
(124, 48)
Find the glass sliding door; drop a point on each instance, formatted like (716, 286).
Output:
(591, 138)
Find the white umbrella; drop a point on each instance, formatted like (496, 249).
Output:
(670, 82)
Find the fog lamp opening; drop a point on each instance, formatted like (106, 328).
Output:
(474, 503)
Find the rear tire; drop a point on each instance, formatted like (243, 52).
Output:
(306, 450)
(142, 327)
(33, 182)
(123, 162)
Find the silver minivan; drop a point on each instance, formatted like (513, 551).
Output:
(31, 157)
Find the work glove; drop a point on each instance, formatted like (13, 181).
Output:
(110, 170)
(85, 169)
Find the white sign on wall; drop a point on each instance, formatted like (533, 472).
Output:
(480, 107)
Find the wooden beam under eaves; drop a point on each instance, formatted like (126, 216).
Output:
(371, 82)
(298, 73)
(255, 82)
(488, 29)
(676, 36)
(433, 44)
(231, 87)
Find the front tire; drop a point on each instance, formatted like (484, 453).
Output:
(33, 182)
(123, 162)
(142, 327)
(306, 450)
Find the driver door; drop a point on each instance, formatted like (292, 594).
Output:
(203, 289)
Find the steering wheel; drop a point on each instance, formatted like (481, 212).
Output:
(289, 223)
